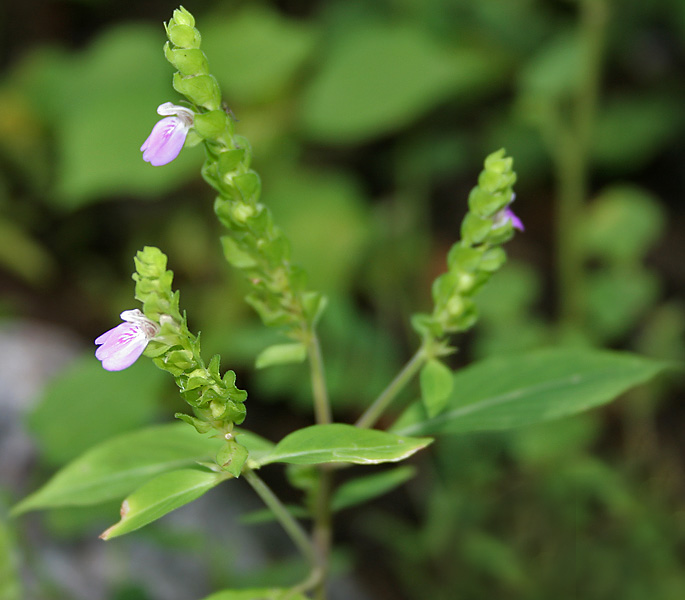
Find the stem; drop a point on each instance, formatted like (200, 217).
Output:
(291, 526)
(572, 165)
(373, 413)
(322, 535)
(322, 408)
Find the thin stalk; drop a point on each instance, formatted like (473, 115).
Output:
(380, 404)
(322, 407)
(323, 528)
(291, 526)
(572, 161)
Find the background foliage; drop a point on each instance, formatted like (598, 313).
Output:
(369, 123)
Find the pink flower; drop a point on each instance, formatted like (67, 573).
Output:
(168, 136)
(121, 346)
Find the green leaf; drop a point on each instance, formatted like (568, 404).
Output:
(436, 384)
(362, 489)
(116, 467)
(281, 354)
(507, 392)
(343, 443)
(10, 586)
(160, 496)
(256, 594)
(380, 77)
(110, 403)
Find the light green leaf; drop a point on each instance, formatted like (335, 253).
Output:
(256, 594)
(160, 496)
(343, 443)
(511, 391)
(362, 489)
(257, 446)
(281, 354)
(10, 586)
(116, 467)
(436, 385)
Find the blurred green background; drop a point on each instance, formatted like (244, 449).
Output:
(369, 122)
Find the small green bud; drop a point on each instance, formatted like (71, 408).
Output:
(191, 61)
(493, 259)
(200, 425)
(242, 212)
(465, 283)
(184, 36)
(202, 90)
(249, 185)
(182, 16)
(498, 163)
(231, 457)
(463, 258)
(211, 125)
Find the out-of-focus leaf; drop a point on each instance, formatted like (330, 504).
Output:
(617, 298)
(21, 254)
(96, 403)
(10, 586)
(436, 384)
(343, 443)
(321, 210)
(101, 105)
(507, 392)
(281, 354)
(256, 52)
(379, 77)
(160, 496)
(256, 594)
(365, 488)
(621, 224)
(630, 130)
(116, 467)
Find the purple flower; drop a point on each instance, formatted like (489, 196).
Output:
(507, 215)
(168, 136)
(121, 346)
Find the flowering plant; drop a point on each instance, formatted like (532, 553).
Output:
(162, 468)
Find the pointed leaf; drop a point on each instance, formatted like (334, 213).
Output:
(343, 443)
(160, 496)
(281, 354)
(257, 594)
(117, 466)
(362, 489)
(507, 392)
(436, 385)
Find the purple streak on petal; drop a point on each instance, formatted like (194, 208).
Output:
(165, 142)
(121, 346)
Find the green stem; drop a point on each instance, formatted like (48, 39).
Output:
(572, 166)
(373, 413)
(322, 408)
(323, 529)
(291, 526)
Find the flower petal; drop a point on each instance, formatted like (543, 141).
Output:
(121, 346)
(165, 141)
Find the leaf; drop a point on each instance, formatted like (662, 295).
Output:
(256, 594)
(111, 404)
(160, 496)
(116, 467)
(281, 354)
(380, 77)
(343, 443)
(362, 489)
(10, 586)
(436, 384)
(507, 392)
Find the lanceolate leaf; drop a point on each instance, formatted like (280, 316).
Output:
(508, 392)
(343, 443)
(362, 489)
(117, 466)
(257, 594)
(160, 496)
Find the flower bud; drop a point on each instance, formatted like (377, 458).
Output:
(182, 16)
(190, 61)
(184, 36)
(212, 124)
(202, 90)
